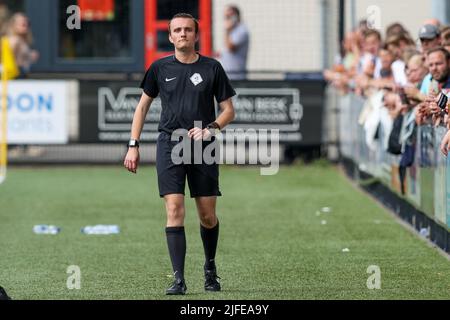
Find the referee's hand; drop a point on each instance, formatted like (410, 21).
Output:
(131, 161)
(199, 134)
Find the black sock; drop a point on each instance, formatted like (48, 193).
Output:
(209, 238)
(176, 241)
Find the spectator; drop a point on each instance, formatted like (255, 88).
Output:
(445, 37)
(415, 72)
(430, 37)
(21, 39)
(416, 69)
(395, 29)
(391, 101)
(393, 44)
(446, 45)
(444, 30)
(386, 78)
(234, 56)
(386, 60)
(362, 28)
(439, 67)
(369, 63)
(369, 66)
(345, 67)
(401, 106)
(438, 64)
(408, 53)
(350, 51)
(405, 42)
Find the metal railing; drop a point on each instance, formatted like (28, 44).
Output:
(427, 180)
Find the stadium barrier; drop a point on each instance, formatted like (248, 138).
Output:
(425, 200)
(88, 120)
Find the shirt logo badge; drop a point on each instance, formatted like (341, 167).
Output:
(167, 80)
(196, 79)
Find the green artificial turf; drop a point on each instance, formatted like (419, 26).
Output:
(273, 243)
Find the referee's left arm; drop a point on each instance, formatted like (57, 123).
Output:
(227, 114)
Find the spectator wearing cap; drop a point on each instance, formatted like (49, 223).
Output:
(430, 37)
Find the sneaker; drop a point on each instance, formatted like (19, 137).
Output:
(3, 295)
(178, 287)
(211, 283)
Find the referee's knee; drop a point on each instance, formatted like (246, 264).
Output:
(175, 214)
(208, 220)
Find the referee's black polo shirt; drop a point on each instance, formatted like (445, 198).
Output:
(187, 91)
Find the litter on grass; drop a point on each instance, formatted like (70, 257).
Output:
(46, 229)
(101, 229)
(424, 232)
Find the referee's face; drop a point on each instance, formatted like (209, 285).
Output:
(182, 34)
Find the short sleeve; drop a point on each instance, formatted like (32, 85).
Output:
(150, 82)
(222, 86)
(425, 84)
(239, 36)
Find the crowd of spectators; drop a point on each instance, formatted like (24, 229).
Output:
(410, 74)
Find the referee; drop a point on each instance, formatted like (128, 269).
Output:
(187, 84)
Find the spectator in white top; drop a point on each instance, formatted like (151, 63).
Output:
(395, 45)
(234, 56)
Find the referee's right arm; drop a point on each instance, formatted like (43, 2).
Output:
(132, 158)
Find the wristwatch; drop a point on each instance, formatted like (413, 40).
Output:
(214, 128)
(133, 143)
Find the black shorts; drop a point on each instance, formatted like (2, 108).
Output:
(203, 179)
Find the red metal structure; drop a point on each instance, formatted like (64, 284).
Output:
(153, 25)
